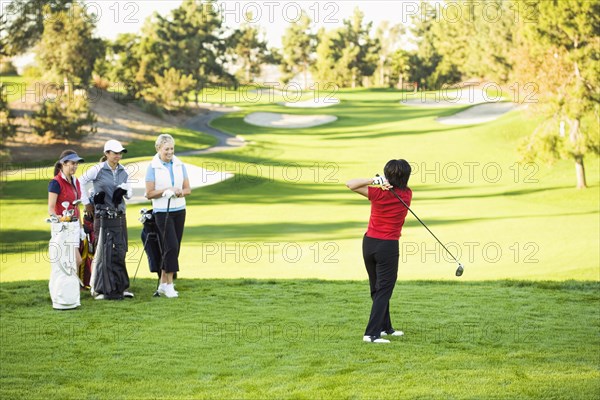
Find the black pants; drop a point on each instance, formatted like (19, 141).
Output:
(381, 261)
(172, 235)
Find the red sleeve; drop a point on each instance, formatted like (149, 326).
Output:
(375, 193)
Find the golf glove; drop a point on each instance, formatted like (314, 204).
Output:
(82, 234)
(127, 187)
(379, 180)
(168, 194)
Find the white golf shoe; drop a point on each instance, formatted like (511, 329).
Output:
(373, 339)
(392, 333)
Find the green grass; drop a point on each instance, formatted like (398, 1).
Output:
(277, 339)
(15, 87)
(287, 213)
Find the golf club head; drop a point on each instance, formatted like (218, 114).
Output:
(460, 270)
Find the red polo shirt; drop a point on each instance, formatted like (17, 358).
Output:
(387, 213)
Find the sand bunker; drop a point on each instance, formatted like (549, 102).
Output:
(478, 114)
(448, 98)
(313, 103)
(275, 120)
(198, 177)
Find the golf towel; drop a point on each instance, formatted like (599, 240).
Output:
(64, 283)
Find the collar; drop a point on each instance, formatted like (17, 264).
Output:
(106, 166)
(64, 177)
(158, 163)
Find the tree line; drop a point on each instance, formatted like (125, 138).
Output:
(551, 45)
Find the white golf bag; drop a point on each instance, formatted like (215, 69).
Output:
(64, 282)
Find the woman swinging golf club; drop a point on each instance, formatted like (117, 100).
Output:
(167, 184)
(380, 243)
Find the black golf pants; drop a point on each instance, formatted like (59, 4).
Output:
(381, 261)
(173, 234)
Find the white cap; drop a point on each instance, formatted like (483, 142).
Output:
(114, 146)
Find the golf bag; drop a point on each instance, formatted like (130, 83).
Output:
(151, 241)
(64, 283)
(109, 274)
(87, 252)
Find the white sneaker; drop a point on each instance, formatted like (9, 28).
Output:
(162, 288)
(170, 291)
(99, 297)
(372, 339)
(392, 333)
(128, 294)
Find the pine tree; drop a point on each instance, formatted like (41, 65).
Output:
(348, 54)
(299, 45)
(67, 51)
(389, 37)
(250, 48)
(25, 21)
(7, 128)
(560, 56)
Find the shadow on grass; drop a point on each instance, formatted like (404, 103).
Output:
(509, 193)
(272, 231)
(12, 238)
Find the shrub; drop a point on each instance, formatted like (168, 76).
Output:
(65, 117)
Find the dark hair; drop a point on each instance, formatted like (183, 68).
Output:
(103, 158)
(58, 165)
(397, 173)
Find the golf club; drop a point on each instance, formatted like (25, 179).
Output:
(162, 261)
(460, 269)
(143, 218)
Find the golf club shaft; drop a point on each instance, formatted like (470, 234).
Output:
(164, 248)
(422, 223)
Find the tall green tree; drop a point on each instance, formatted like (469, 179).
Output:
(24, 22)
(560, 56)
(462, 40)
(7, 127)
(327, 67)
(171, 90)
(121, 65)
(67, 51)
(299, 45)
(489, 36)
(358, 36)
(191, 39)
(426, 57)
(250, 49)
(390, 39)
(400, 66)
(348, 54)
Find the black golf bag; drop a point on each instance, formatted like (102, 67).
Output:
(109, 274)
(151, 241)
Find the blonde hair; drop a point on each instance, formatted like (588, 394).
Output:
(163, 139)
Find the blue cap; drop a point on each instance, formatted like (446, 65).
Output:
(71, 157)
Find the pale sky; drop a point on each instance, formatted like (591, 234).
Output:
(114, 17)
(274, 16)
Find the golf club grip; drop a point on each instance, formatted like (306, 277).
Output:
(422, 223)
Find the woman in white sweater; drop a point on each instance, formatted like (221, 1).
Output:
(167, 184)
